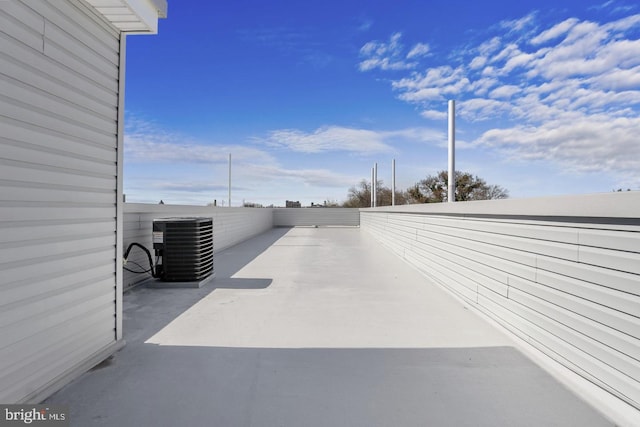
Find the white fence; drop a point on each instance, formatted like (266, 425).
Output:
(283, 217)
(562, 273)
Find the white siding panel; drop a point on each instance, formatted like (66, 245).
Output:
(530, 329)
(18, 71)
(610, 278)
(57, 122)
(49, 193)
(620, 301)
(81, 22)
(46, 140)
(15, 274)
(36, 173)
(20, 22)
(568, 285)
(610, 239)
(76, 339)
(32, 61)
(607, 258)
(17, 92)
(104, 59)
(58, 166)
(18, 253)
(21, 15)
(81, 65)
(14, 150)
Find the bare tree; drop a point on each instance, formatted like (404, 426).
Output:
(435, 188)
(360, 196)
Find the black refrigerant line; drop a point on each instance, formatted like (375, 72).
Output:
(151, 270)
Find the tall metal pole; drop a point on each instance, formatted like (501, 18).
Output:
(375, 181)
(393, 182)
(372, 187)
(452, 151)
(229, 180)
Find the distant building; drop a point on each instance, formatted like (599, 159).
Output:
(292, 204)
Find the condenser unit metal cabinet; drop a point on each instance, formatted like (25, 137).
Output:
(184, 247)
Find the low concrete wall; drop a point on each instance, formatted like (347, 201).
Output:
(563, 273)
(291, 217)
(230, 226)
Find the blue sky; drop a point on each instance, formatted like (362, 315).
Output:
(308, 95)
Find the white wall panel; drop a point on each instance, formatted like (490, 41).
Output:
(564, 278)
(293, 217)
(59, 80)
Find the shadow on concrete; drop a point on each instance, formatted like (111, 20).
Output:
(238, 283)
(220, 386)
(231, 260)
(147, 310)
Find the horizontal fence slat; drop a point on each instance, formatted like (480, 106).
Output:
(568, 285)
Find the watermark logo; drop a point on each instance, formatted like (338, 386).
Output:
(34, 415)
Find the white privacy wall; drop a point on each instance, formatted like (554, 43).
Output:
(230, 226)
(291, 217)
(59, 95)
(562, 273)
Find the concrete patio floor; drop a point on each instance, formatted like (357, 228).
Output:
(315, 327)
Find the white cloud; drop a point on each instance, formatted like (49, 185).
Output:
(477, 109)
(159, 147)
(554, 32)
(335, 139)
(189, 187)
(417, 135)
(507, 52)
(328, 138)
(517, 59)
(434, 114)
(624, 24)
(386, 56)
(282, 164)
(435, 84)
(519, 25)
(587, 144)
(478, 62)
(568, 93)
(390, 55)
(490, 46)
(420, 49)
(505, 91)
(306, 177)
(617, 79)
(179, 169)
(481, 86)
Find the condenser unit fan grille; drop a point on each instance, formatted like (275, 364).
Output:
(186, 248)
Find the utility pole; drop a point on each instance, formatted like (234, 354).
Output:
(372, 186)
(375, 185)
(452, 151)
(393, 182)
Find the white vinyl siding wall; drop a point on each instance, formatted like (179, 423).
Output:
(59, 65)
(568, 285)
